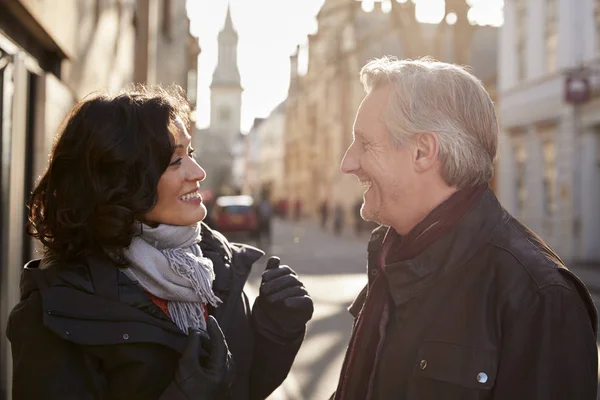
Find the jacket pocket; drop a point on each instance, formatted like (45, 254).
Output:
(461, 365)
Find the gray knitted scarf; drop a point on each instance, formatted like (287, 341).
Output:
(167, 261)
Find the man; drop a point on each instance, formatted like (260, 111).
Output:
(462, 301)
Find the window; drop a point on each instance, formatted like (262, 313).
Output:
(551, 35)
(224, 114)
(521, 11)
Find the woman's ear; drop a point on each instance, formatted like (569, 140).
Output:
(426, 150)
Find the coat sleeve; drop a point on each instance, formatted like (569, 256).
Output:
(44, 365)
(549, 351)
(271, 361)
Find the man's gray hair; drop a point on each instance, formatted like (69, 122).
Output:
(443, 99)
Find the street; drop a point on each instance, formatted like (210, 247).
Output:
(333, 270)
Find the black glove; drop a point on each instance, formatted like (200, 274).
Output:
(283, 304)
(205, 370)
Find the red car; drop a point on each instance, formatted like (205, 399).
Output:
(235, 214)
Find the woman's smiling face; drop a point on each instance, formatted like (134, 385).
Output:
(179, 201)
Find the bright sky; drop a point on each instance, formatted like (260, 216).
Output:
(269, 31)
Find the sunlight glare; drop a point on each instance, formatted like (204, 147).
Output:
(451, 18)
(386, 6)
(430, 11)
(368, 5)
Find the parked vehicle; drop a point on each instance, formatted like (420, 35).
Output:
(235, 214)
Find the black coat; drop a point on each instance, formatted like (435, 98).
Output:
(86, 331)
(486, 312)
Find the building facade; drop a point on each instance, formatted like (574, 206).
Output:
(52, 54)
(219, 144)
(265, 154)
(321, 104)
(549, 161)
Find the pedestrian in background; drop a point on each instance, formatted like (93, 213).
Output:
(338, 219)
(462, 301)
(134, 297)
(265, 216)
(323, 211)
(358, 221)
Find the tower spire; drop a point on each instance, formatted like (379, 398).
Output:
(228, 21)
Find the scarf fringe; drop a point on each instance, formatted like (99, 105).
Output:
(198, 270)
(187, 315)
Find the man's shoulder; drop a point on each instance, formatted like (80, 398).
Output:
(526, 267)
(522, 252)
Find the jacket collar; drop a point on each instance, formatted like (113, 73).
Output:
(409, 278)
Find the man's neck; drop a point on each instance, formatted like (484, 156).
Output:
(430, 197)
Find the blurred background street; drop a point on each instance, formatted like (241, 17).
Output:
(333, 270)
(273, 88)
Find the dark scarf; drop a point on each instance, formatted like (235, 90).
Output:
(357, 373)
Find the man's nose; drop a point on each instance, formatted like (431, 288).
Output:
(350, 161)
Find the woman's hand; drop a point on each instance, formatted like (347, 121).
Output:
(205, 369)
(283, 299)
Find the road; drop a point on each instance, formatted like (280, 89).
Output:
(333, 270)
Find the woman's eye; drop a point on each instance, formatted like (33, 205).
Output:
(176, 162)
(191, 152)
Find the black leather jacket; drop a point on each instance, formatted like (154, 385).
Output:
(489, 311)
(86, 331)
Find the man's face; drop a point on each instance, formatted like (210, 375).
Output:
(386, 171)
(179, 202)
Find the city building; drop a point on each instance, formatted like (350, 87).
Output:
(252, 173)
(549, 159)
(268, 175)
(52, 54)
(216, 144)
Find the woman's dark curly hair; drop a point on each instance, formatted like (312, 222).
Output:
(103, 172)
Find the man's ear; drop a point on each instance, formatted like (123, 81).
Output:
(425, 152)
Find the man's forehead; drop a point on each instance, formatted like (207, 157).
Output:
(371, 109)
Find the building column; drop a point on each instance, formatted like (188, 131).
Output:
(536, 40)
(534, 180)
(589, 250)
(505, 172)
(565, 177)
(507, 60)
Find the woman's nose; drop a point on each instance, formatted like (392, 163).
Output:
(196, 172)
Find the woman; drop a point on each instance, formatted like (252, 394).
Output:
(125, 301)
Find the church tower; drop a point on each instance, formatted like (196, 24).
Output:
(226, 90)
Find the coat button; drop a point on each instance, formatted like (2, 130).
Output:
(125, 336)
(423, 364)
(482, 377)
(67, 333)
(374, 272)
